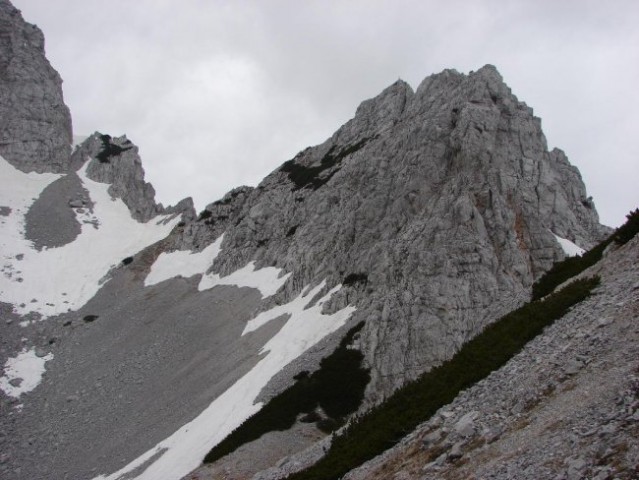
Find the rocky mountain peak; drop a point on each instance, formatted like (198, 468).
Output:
(420, 194)
(35, 124)
(115, 160)
(492, 79)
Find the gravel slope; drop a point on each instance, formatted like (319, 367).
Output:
(567, 407)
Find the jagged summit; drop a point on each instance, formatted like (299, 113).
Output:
(115, 161)
(449, 193)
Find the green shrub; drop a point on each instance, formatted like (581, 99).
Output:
(309, 177)
(109, 149)
(204, 214)
(629, 229)
(572, 266)
(337, 387)
(354, 278)
(209, 219)
(566, 269)
(229, 197)
(382, 427)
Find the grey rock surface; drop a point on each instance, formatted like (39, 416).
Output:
(115, 160)
(214, 220)
(35, 124)
(51, 221)
(256, 458)
(573, 426)
(444, 201)
(149, 362)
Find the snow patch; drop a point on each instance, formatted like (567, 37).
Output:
(266, 280)
(25, 370)
(294, 307)
(183, 451)
(56, 280)
(569, 248)
(182, 263)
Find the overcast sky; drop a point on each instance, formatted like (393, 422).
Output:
(219, 93)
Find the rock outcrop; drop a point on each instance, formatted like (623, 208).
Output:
(35, 124)
(442, 203)
(116, 161)
(566, 407)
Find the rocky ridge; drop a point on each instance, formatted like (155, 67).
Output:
(116, 161)
(36, 128)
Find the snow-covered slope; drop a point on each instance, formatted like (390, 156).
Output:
(56, 280)
(184, 450)
(185, 263)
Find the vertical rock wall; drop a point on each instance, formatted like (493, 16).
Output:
(35, 124)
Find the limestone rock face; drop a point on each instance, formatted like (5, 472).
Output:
(116, 161)
(35, 124)
(436, 209)
(441, 203)
(566, 406)
(214, 220)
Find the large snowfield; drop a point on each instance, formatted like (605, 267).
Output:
(57, 280)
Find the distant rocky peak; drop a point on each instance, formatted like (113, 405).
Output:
(115, 160)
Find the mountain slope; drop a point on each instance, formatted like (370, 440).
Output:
(566, 406)
(155, 332)
(448, 225)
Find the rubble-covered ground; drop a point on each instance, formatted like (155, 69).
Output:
(566, 407)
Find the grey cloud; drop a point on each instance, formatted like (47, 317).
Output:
(221, 93)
